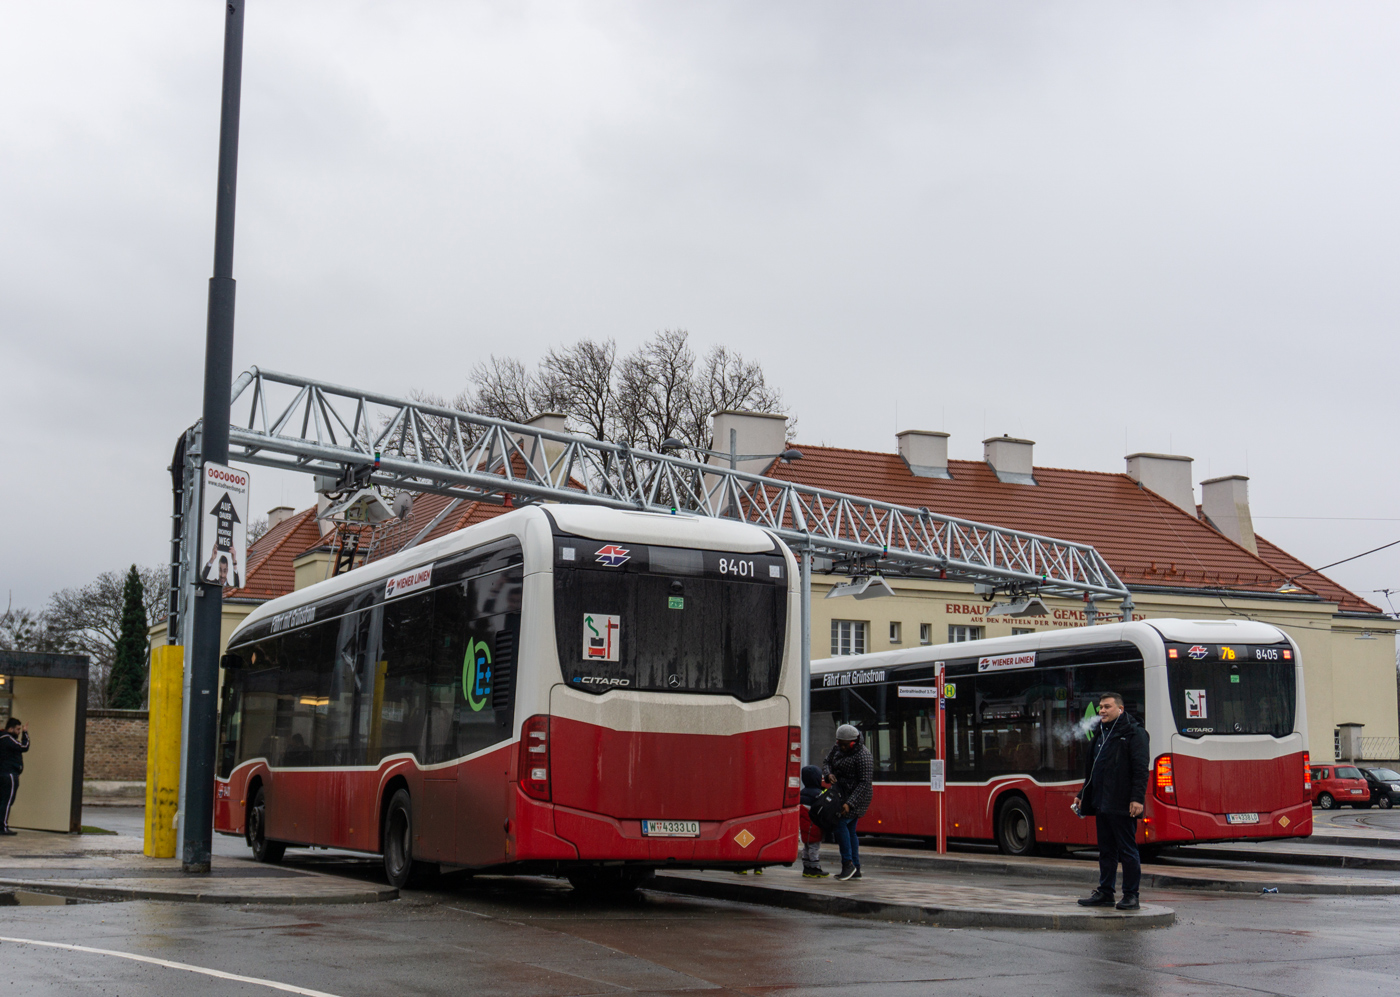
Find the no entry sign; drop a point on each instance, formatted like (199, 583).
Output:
(223, 526)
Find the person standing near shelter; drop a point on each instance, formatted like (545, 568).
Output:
(850, 766)
(1115, 788)
(14, 742)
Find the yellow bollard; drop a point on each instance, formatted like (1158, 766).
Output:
(163, 749)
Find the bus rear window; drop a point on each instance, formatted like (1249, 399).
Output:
(667, 619)
(1235, 689)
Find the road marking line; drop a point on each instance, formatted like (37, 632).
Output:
(172, 965)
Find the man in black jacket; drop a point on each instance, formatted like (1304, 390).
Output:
(14, 742)
(1115, 789)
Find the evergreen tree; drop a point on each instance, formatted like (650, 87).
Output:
(126, 686)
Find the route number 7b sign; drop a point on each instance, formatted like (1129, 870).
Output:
(223, 526)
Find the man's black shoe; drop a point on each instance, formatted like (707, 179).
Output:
(12, 833)
(847, 871)
(1129, 902)
(1097, 899)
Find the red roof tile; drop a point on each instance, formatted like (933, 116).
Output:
(1148, 541)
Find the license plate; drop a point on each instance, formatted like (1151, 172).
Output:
(1242, 818)
(671, 828)
(1356, 792)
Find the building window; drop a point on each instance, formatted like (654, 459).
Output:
(896, 633)
(1016, 631)
(847, 637)
(957, 633)
(925, 633)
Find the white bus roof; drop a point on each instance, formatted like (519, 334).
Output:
(1186, 631)
(593, 522)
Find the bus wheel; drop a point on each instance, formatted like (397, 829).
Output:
(398, 840)
(263, 850)
(1327, 802)
(1016, 828)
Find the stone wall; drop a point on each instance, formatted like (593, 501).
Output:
(116, 745)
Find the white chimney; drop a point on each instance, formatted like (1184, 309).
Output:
(275, 517)
(759, 433)
(1225, 504)
(925, 451)
(552, 422)
(1010, 459)
(1166, 474)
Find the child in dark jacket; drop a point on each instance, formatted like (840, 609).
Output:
(809, 833)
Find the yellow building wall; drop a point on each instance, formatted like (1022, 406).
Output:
(1345, 679)
(49, 707)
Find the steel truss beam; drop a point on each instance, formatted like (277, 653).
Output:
(300, 424)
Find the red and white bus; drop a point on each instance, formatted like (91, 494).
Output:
(563, 689)
(1222, 702)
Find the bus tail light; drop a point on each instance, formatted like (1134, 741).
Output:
(1164, 781)
(792, 791)
(1307, 772)
(534, 757)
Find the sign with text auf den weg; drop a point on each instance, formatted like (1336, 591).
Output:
(223, 526)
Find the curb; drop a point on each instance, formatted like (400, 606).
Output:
(1290, 858)
(92, 891)
(1152, 873)
(1151, 916)
(1359, 842)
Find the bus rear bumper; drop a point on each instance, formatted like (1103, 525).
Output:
(755, 839)
(1178, 825)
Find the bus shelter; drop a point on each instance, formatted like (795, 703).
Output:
(49, 693)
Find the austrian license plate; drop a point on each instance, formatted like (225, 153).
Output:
(671, 828)
(1242, 818)
(1356, 792)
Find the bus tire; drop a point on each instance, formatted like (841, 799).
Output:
(1327, 801)
(1016, 827)
(263, 849)
(398, 839)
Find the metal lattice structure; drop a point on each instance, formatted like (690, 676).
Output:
(296, 423)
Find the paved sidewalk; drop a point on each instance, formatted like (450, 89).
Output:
(949, 901)
(1166, 873)
(112, 867)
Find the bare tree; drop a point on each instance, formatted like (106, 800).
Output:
(257, 527)
(581, 375)
(658, 391)
(26, 630)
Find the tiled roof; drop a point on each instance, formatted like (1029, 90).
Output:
(1148, 541)
(270, 558)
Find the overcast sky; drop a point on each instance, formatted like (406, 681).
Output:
(1104, 227)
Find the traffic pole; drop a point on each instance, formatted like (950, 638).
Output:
(197, 827)
(941, 750)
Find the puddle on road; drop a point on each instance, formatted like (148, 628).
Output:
(28, 898)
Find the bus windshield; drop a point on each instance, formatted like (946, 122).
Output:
(1232, 689)
(669, 619)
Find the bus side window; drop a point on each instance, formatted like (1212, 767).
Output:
(407, 649)
(299, 657)
(826, 716)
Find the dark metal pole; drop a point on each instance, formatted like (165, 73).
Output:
(198, 826)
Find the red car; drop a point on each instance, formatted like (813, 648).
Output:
(1339, 785)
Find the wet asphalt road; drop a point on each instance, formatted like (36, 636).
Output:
(496, 936)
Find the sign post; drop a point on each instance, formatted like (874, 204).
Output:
(940, 750)
(223, 526)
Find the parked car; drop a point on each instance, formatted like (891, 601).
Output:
(1385, 786)
(1339, 786)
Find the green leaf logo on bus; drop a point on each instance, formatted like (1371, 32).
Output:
(476, 675)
